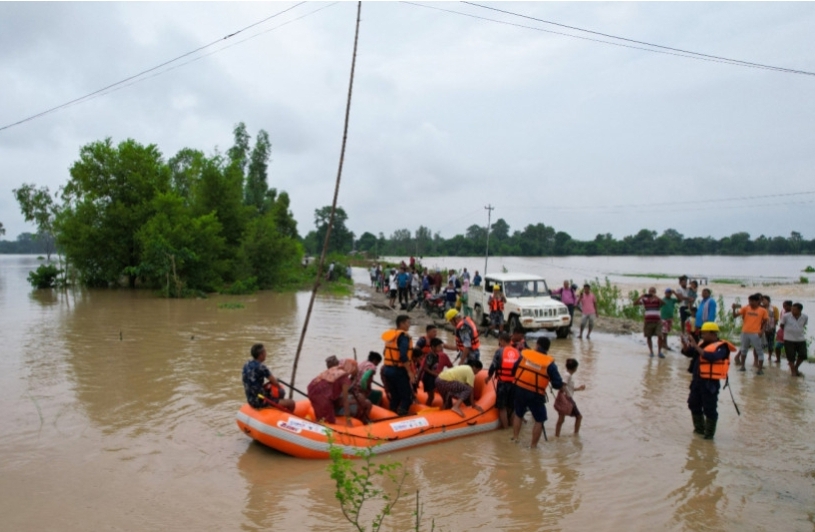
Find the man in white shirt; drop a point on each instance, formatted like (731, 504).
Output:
(795, 339)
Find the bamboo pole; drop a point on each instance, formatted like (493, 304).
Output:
(333, 206)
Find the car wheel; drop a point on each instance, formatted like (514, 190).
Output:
(514, 324)
(562, 332)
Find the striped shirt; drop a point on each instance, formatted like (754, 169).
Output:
(651, 305)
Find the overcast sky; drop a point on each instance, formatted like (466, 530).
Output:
(449, 113)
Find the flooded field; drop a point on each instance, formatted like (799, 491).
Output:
(118, 413)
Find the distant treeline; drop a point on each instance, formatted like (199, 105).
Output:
(26, 244)
(542, 240)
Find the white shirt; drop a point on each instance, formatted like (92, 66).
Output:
(392, 283)
(568, 384)
(794, 329)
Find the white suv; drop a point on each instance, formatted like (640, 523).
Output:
(529, 305)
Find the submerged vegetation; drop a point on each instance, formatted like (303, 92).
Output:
(356, 485)
(192, 224)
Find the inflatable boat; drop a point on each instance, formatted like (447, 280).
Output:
(297, 434)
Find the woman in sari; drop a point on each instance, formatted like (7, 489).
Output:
(331, 393)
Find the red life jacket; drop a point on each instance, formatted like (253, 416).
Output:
(509, 357)
(475, 342)
(715, 370)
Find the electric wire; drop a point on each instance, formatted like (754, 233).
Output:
(134, 76)
(687, 56)
(782, 69)
(670, 203)
(180, 65)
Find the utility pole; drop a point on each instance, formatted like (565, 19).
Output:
(489, 208)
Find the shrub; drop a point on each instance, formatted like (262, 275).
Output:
(803, 280)
(242, 287)
(45, 276)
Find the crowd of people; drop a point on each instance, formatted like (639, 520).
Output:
(764, 329)
(522, 375)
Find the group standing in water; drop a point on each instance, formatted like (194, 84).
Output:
(523, 376)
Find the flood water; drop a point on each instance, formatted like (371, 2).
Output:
(137, 432)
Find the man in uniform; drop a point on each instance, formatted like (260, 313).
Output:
(467, 342)
(503, 367)
(496, 303)
(398, 371)
(533, 373)
(710, 360)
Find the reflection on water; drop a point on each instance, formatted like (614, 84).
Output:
(137, 431)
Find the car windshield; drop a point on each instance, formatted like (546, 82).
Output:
(525, 289)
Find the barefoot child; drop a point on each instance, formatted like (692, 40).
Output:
(568, 385)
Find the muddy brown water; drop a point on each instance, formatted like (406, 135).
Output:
(100, 433)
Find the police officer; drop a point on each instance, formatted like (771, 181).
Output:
(710, 360)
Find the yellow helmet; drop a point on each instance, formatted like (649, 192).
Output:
(496, 287)
(450, 314)
(710, 326)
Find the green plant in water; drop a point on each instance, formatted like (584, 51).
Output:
(729, 329)
(355, 486)
(45, 276)
(231, 305)
(803, 280)
(610, 301)
(242, 287)
(809, 269)
(727, 281)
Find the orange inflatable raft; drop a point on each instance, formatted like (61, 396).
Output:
(297, 433)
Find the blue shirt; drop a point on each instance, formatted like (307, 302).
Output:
(402, 279)
(706, 311)
(450, 295)
(254, 373)
(403, 343)
(477, 280)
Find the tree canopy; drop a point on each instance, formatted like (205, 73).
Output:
(193, 223)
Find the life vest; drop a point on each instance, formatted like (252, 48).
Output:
(532, 371)
(715, 370)
(509, 357)
(496, 304)
(391, 353)
(426, 349)
(475, 343)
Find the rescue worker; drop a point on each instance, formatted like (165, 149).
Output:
(398, 371)
(710, 360)
(534, 371)
(503, 367)
(496, 304)
(518, 340)
(467, 342)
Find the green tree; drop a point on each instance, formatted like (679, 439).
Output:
(2, 229)
(270, 255)
(220, 191)
(424, 240)
(257, 180)
(179, 251)
(500, 230)
(341, 240)
(38, 206)
(107, 199)
(239, 152)
(185, 168)
(367, 243)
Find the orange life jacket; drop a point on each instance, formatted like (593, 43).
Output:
(475, 343)
(531, 373)
(426, 349)
(496, 304)
(715, 370)
(391, 353)
(509, 357)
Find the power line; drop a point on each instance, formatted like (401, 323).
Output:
(687, 56)
(673, 203)
(134, 76)
(782, 69)
(236, 43)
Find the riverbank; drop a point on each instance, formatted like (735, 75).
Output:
(377, 303)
